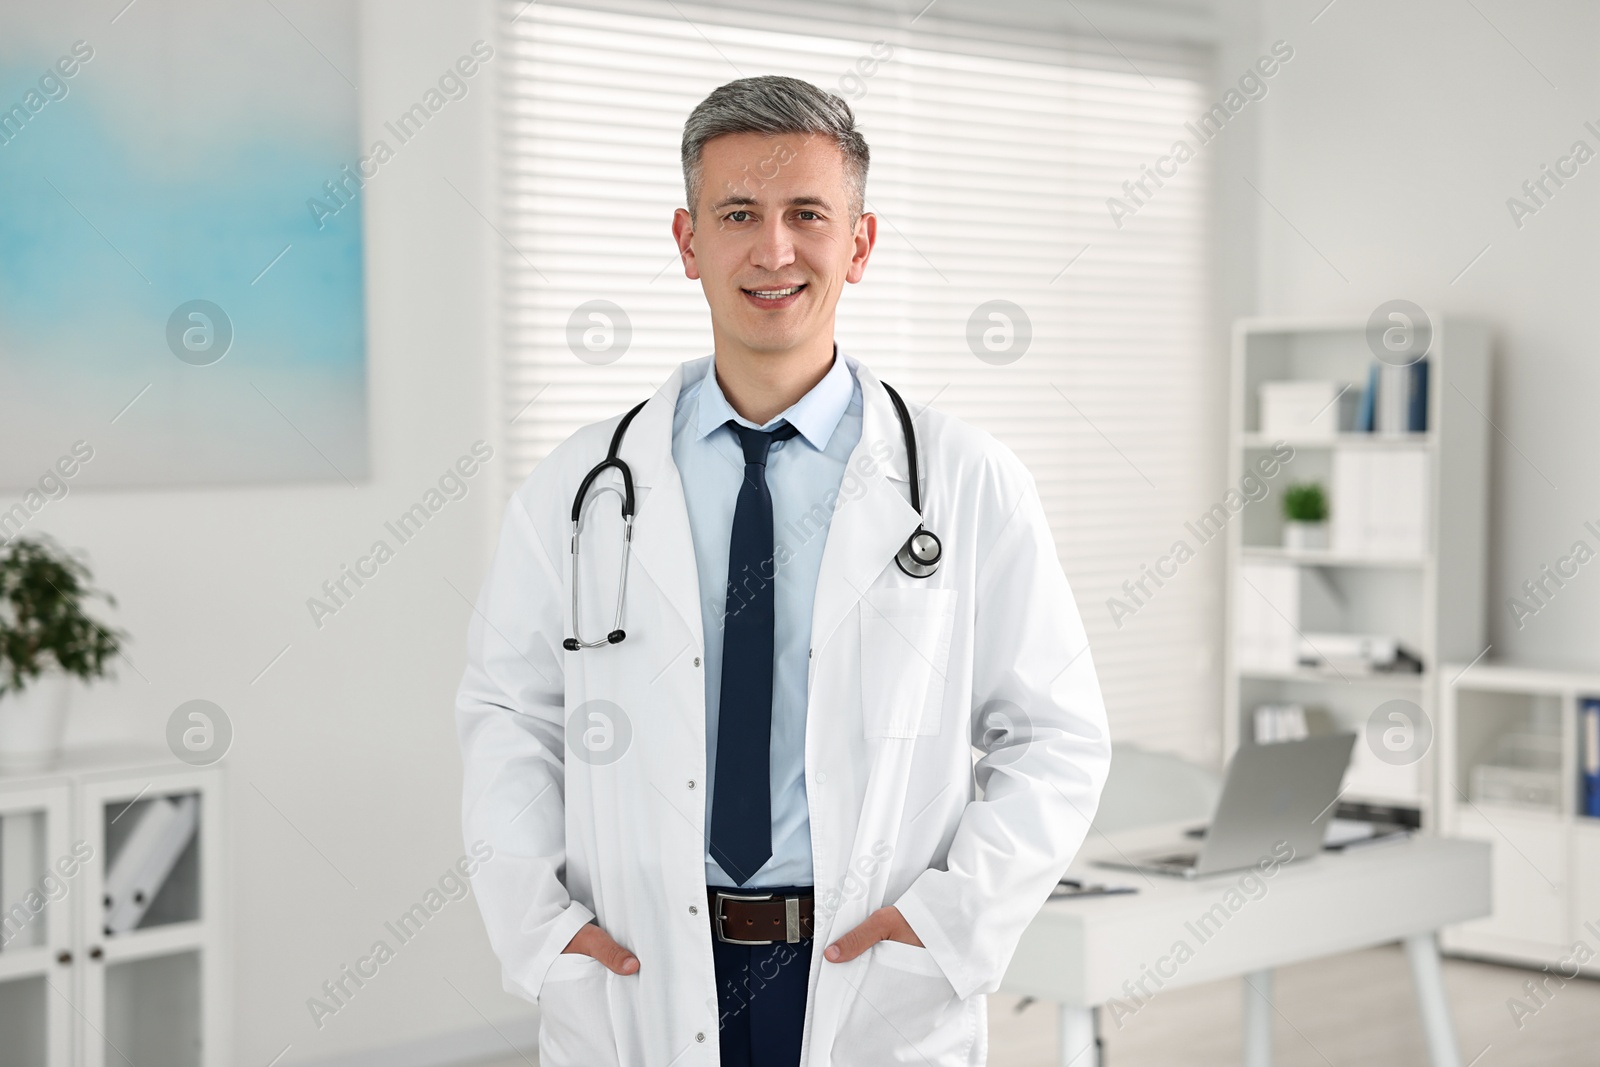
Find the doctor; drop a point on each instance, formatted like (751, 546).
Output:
(750, 731)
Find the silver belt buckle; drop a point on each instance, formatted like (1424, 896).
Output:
(716, 916)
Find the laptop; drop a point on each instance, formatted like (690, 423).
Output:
(1274, 794)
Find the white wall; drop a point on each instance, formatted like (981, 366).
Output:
(344, 764)
(1392, 143)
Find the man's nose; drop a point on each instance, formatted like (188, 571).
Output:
(774, 249)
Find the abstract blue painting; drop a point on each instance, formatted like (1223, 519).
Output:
(181, 275)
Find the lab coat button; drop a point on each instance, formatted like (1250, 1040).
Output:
(822, 776)
(694, 909)
(701, 1036)
(697, 661)
(691, 783)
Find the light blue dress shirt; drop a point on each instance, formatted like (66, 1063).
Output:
(803, 474)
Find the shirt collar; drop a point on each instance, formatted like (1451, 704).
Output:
(816, 415)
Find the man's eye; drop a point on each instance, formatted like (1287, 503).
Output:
(813, 214)
(730, 216)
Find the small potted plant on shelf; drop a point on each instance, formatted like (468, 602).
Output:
(1305, 514)
(46, 640)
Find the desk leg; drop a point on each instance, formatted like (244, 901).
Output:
(1258, 1019)
(1080, 1037)
(1423, 952)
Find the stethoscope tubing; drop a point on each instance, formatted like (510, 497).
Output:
(919, 557)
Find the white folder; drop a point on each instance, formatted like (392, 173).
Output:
(147, 858)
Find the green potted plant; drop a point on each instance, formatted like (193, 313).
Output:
(46, 640)
(1305, 516)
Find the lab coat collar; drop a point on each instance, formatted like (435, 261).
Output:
(867, 528)
(880, 427)
(647, 446)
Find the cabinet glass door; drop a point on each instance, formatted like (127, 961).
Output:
(152, 865)
(39, 873)
(152, 1011)
(146, 985)
(24, 1020)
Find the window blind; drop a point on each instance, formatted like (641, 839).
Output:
(994, 153)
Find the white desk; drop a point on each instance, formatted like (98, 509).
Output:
(1093, 955)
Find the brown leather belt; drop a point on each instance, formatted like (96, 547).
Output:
(760, 918)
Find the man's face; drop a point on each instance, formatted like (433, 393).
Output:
(774, 214)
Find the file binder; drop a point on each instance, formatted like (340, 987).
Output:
(146, 859)
(1589, 713)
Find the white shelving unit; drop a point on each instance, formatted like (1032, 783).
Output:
(1546, 865)
(1432, 601)
(73, 994)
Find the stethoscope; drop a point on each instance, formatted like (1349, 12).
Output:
(918, 557)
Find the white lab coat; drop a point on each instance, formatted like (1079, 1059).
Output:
(585, 770)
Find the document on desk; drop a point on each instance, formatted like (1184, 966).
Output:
(1356, 833)
(1072, 888)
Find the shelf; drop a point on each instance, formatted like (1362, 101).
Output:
(100, 759)
(1493, 676)
(1421, 803)
(26, 962)
(1343, 440)
(1278, 324)
(159, 941)
(1492, 813)
(1391, 681)
(1321, 557)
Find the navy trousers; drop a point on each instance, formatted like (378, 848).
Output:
(761, 996)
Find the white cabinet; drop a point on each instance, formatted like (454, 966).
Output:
(1585, 867)
(1509, 759)
(1529, 868)
(79, 988)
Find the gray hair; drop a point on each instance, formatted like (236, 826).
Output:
(775, 104)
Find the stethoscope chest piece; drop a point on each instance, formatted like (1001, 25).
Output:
(919, 556)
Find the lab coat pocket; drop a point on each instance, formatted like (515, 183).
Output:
(575, 1014)
(904, 1010)
(905, 652)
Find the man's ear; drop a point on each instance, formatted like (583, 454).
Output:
(866, 237)
(683, 236)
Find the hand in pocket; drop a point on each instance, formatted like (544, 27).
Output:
(591, 940)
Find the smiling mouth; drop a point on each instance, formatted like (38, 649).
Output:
(775, 294)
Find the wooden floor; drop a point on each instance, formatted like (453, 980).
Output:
(1357, 1010)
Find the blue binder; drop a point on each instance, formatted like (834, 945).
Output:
(1369, 402)
(1589, 756)
(1417, 398)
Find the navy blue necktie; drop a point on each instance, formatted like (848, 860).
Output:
(741, 804)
